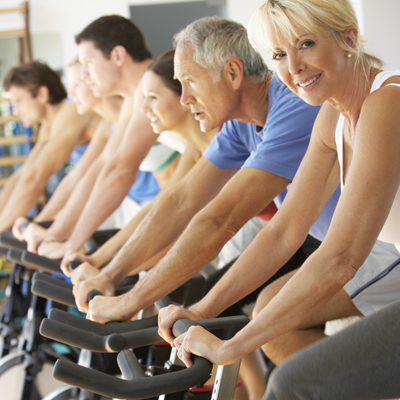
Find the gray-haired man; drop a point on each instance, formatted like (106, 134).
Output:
(249, 164)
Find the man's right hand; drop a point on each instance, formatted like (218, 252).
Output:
(84, 272)
(81, 290)
(16, 228)
(167, 316)
(33, 235)
(71, 256)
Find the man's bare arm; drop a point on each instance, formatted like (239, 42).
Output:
(64, 134)
(116, 178)
(68, 184)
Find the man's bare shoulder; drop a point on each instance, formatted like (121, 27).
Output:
(68, 119)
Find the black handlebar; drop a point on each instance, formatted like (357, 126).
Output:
(35, 261)
(135, 385)
(74, 264)
(7, 239)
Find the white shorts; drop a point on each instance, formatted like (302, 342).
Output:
(240, 241)
(377, 282)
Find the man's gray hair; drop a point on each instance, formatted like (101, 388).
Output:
(215, 40)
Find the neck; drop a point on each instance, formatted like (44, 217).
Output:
(189, 130)
(109, 107)
(254, 99)
(50, 111)
(131, 74)
(352, 92)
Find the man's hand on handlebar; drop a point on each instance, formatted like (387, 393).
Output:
(70, 256)
(84, 272)
(200, 342)
(33, 235)
(167, 316)
(51, 248)
(81, 290)
(16, 228)
(105, 309)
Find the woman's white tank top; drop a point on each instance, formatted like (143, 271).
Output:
(390, 232)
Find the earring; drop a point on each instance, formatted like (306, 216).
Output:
(349, 55)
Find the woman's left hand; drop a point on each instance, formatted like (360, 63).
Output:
(200, 342)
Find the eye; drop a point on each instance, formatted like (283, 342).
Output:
(307, 44)
(278, 56)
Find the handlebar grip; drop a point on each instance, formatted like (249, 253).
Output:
(3, 251)
(58, 293)
(39, 262)
(14, 255)
(7, 239)
(101, 329)
(74, 264)
(136, 388)
(93, 294)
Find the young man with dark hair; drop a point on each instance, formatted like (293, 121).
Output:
(39, 97)
(114, 56)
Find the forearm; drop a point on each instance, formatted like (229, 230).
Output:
(58, 199)
(8, 188)
(107, 194)
(24, 196)
(69, 215)
(107, 251)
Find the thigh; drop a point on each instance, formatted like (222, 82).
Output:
(361, 362)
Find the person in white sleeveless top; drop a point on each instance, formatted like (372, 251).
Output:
(319, 54)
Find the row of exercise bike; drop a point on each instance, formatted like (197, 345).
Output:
(57, 354)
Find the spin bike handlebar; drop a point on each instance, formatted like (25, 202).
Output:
(135, 385)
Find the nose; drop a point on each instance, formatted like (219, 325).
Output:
(296, 65)
(85, 72)
(186, 97)
(145, 106)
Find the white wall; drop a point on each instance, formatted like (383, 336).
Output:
(65, 18)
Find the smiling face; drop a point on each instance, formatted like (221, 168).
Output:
(212, 103)
(314, 67)
(28, 108)
(83, 97)
(100, 74)
(161, 105)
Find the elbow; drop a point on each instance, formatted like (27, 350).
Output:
(118, 172)
(221, 224)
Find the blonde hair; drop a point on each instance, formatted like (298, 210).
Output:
(71, 62)
(282, 18)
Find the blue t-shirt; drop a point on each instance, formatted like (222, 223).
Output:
(278, 147)
(145, 187)
(77, 153)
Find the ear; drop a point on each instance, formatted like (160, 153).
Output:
(118, 55)
(233, 70)
(43, 94)
(351, 35)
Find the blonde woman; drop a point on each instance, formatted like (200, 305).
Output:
(318, 53)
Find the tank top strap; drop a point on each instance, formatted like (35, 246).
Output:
(382, 77)
(339, 145)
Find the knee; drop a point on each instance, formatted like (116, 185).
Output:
(282, 386)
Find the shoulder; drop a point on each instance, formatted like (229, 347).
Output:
(325, 125)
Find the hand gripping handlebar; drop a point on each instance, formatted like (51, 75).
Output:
(135, 385)
(59, 290)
